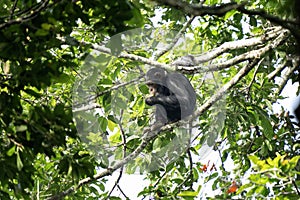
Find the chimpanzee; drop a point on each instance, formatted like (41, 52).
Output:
(171, 93)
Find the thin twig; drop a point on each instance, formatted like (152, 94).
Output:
(122, 192)
(175, 40)
(13, 10)
(248, 88)
(296, 187)
(288, 24)
(87, 103)
(190, 172)
(278, 69)
(124, 155)
(31, 15)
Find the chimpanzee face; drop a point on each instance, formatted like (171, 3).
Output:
(152, 89)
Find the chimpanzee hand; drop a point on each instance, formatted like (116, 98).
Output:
(151, 101)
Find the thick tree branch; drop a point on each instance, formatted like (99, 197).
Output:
(199, 9)
(235, 79)
(285, 77)
(222, 91)
(238, 59)
(232, 45)
(130, 56)
(278, 69)
(207, 56)
(239, 44)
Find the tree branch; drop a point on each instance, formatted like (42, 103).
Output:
(124, 155)
(129, 56)
(239, 44)
(177, 37)
(147, 137)
(278, 69)
(285, 78)
(281, 36)
(200, 9)
(235, 79)
(222, 91)
(29, 16)
(220, 10)
(288, 24)
(13, 9)
(207, 56)
(89, 104)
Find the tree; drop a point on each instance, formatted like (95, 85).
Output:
(72, 98)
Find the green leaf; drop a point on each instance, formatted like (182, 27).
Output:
(253, 21)
(11, 151)
(212, 176)
(19, 162)
(188, 194)
(263, 190)
(270, 147)
(114, 198)
(157, 144)
(265, 123)
(21, 128)
(229, 14)
(120, 103)
(144, 89)
(41, 32)
(253, 158)
(32, 93)
(103, 123)
(267, 128)
(294, 161)
(101, 186)
(46, 26)
(243, 188)
(111, 125)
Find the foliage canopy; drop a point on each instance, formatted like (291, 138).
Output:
(239, 56)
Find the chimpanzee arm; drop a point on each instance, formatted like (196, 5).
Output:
(169, 101)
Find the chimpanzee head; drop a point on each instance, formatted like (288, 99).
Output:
(156, 76)
(156, 81)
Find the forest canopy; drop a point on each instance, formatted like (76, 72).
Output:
(73, 91)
